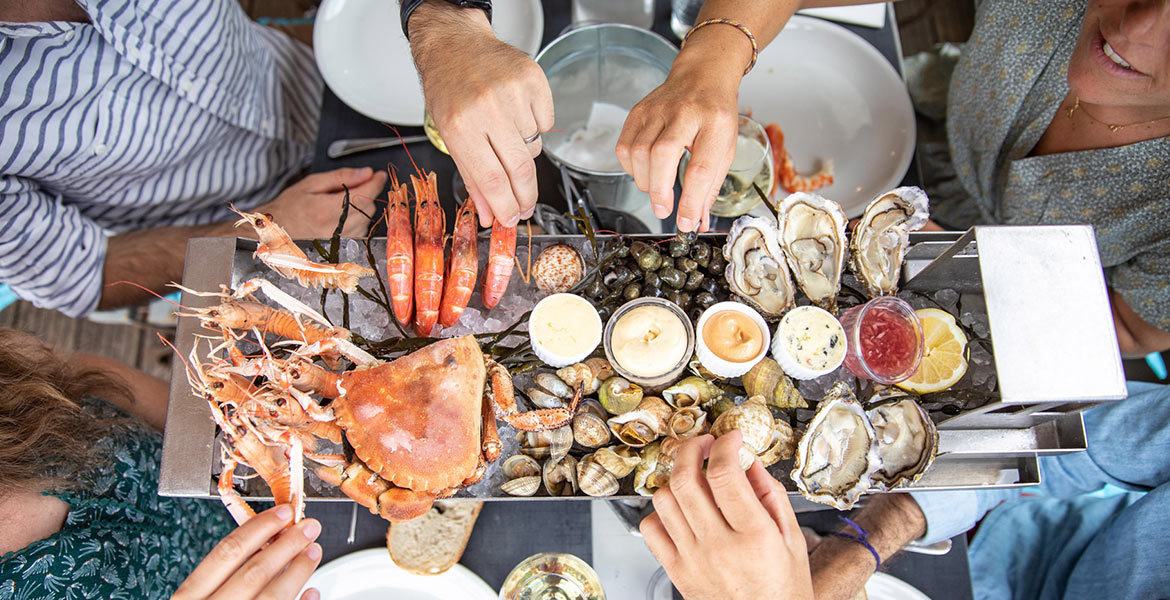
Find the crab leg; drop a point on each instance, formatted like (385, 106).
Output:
(368, 489)
(504, 403)
(236, 506)
(490, 435)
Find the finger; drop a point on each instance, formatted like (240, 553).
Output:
(774, 498)
(730, 488)
(707, 167)
(311, 594)
(521, 170)
(333, 181)
(483, 172)
(542, 103)
(265, 565)
(658, 540)
(526, 126)
(640, 155)
(482, 208)
(625, 144)
(288, 583)
(664, 158)
(232, 551)
(691, 491)
(667, 508)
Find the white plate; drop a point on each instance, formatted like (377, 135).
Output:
(834, 95)
(366, 60)
(371, 575)
(887, 587)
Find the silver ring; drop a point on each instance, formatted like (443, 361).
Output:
(532, 138)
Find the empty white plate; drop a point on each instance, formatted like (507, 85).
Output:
(834, 95)
(366, 60)
(371, 575)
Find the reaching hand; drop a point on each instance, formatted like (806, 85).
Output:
(726, 534)
(238, 568)
(484, 110)
(309, 208)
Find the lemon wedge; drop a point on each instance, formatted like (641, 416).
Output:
(943, 360)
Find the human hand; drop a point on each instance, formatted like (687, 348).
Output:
(309, 208)
(240, 568)
(485, 112)
(726, 533)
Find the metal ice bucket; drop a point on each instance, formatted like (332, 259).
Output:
(610, 63)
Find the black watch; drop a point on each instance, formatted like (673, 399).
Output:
(408, 7)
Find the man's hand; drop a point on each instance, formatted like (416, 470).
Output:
(484, 109)
(309, 208)
(241, 567)
(726, 534)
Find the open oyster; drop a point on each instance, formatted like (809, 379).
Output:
(836, 456)
(906, 441)
(880, 241)
(756, 270)
(812, 236)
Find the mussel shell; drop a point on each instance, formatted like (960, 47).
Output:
(560, 476)
(767, 379)
(522, 486)
(520, 465)
(619, 460)
(752, 418)
(590, 430)
(687, 422)
(619, 396)
(553, 443)
(783, 446)
(594, 479)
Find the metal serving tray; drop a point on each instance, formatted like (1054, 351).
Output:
(996, 445)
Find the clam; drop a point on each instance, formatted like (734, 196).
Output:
(906, 441)
(594, 479)
(553, 385)
(619, 396)
(590, 430)
(553, 443)
(650, 475)
(836, 456)
(752, 418)
(589, 374)
(767, 379)
(558, 268)
(560, 476)
(756, 269)
(543, 399)
(691, 391)
(521, 486)
(520, 465)
(644, 424)
(619, 460)
(592, 406)
(782, 446)
(687, 422)
(812, 236)
(879, 243)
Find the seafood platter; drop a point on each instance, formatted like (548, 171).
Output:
(505, 365)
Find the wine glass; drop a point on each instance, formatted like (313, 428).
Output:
(552, 576)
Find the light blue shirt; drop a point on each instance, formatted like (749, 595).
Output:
(157, 113)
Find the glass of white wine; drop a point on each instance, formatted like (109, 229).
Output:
(752, 164)
(432, 132)
(552, 576)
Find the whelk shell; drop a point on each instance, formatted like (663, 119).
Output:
(687, 422)
(619, 396)
(767, 379)
(594, 479)
(521, 486)
(560, 476)
(619, 460)
(783, 446)
(590, 430)
(589, 374)
(520, 465)
(649, 475)
(644, 424)
(752, 418)
(812, 236)
(691, 391)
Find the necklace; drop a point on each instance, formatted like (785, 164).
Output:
(1112, 128)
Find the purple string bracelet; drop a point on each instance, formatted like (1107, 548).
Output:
(862, 538)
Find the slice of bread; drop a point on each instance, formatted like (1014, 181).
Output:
(434, 542)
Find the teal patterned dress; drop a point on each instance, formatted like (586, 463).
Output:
(120, 540)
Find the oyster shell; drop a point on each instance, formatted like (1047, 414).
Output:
(691, 391)
(752, 418)
(644, 424)
(619, 396)
(558, 268)
(836, 456)
(594, 479)
(619, 460)
(783, 445)
(812, 236)
(756, 269)
(906, 441)
(880, 240)
(687, 422)
(560, 476)
(767, 379)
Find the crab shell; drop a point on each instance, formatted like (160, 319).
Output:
(416, 420)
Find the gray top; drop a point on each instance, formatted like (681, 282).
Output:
(1006, 88)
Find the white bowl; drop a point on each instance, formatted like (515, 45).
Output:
(589, 316)
(719, 366)
(792, 367)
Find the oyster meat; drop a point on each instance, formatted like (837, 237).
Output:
(836, 456)
(906, 441)
(756, 270)
(882, 237)
(812, 237)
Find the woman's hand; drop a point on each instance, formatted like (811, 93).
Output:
(241, 568)
(726, 534)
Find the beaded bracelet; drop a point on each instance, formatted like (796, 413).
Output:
(862, 538)
(739, 26)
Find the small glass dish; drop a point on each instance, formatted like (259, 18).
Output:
(667, 377)
(884, 339)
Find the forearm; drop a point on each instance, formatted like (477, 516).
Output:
(151, 258)
(841, 567)
(1135, 337)
(149, 394)
(721, 50)
(436, 25)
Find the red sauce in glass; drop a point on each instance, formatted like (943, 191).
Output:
(889, 344)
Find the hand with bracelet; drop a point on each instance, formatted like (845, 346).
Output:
(697, 108)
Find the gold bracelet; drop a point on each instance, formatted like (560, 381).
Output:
(739, 26)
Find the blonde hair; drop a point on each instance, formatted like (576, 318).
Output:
(47, 440)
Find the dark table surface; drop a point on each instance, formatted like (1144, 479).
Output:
(508, 532)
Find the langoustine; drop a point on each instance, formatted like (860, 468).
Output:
(399, 252)
(463, 267)
(501, 257)
(785, 174)
(429, 225)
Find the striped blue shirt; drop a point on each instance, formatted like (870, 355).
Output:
(157, 113)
